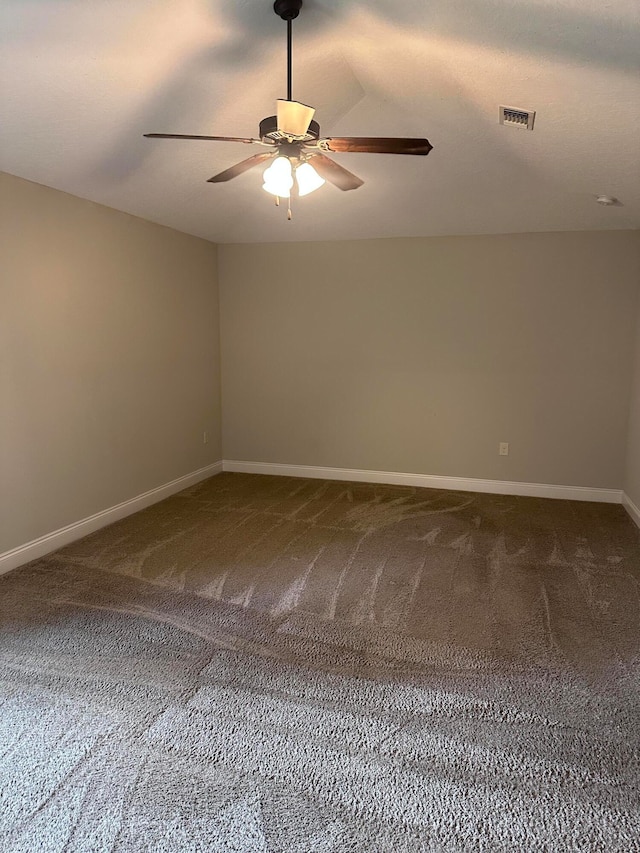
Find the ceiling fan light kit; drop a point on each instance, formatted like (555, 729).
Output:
(299, 164)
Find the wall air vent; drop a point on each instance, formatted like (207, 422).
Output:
(517, 118)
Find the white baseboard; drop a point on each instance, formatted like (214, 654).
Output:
(429, 481)
(58, 538)
(631, 508)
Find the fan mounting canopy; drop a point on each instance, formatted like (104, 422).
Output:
(287, 9)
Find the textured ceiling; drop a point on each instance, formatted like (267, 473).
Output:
(80, 82)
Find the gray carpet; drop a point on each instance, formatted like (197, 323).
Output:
(270, 664)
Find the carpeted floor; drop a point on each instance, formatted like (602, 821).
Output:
(272, 664)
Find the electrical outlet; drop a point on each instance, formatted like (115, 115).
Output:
(504, 448)
(205, 438)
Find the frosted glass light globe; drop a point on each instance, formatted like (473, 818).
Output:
(308, 179)
(278, 178)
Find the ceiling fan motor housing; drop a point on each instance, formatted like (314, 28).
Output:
(287, 9)
(269, 131)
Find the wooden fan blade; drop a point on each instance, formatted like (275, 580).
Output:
(239, 168)
(375, 145)
(191, 136)
(294, 118)
(335, 173)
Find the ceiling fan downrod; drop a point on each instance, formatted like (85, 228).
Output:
(288, 10)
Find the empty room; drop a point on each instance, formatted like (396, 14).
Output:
(319, 426)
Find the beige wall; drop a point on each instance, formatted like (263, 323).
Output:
(421, 355)
(632, 478)
(109, 358)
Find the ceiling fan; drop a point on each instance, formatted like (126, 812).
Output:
(292, 142)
